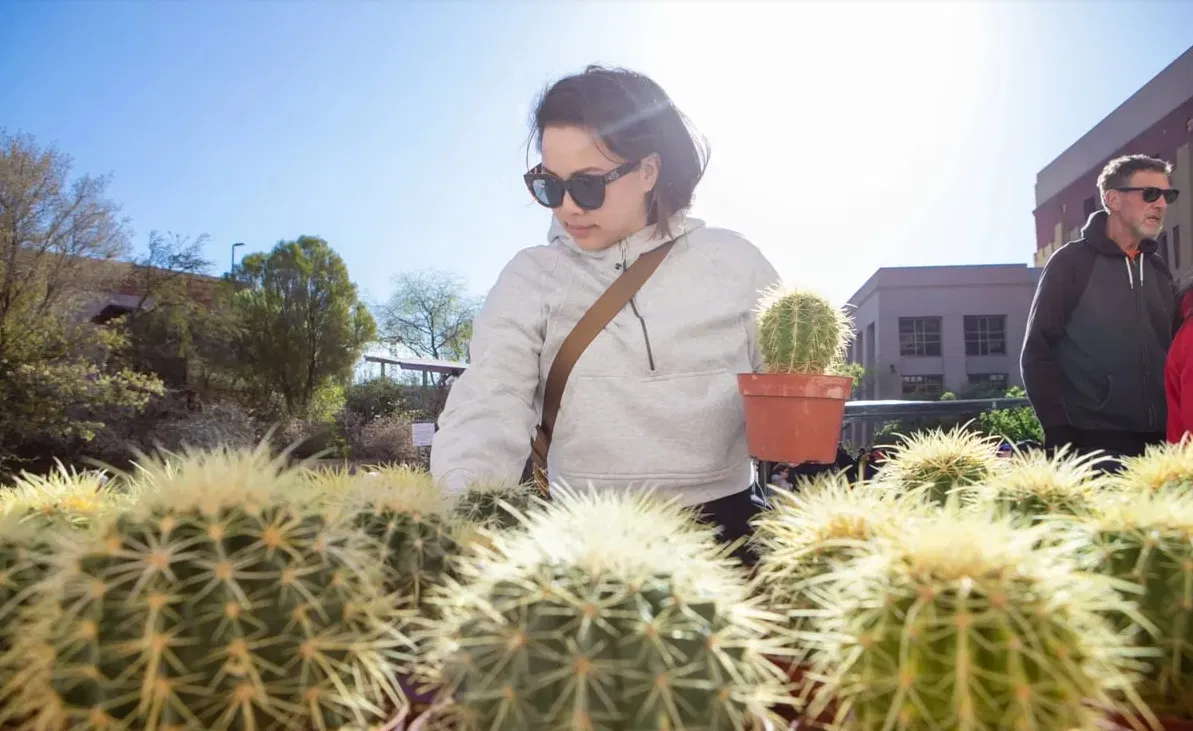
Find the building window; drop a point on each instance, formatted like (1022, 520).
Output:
(1089, 206)
(986, 385)
(993, 379)
(985, 334)
(923, 386)
(919, 337)
(1162, 247)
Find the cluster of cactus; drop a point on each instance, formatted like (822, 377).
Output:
(605, 612)
(965, 622)
(941, 462)
(811, 531)
(218, 601)
(1145, 540)
(801, 332)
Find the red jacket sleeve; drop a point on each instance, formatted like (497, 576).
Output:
(1178, 383)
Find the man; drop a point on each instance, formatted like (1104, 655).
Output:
(1103, 318)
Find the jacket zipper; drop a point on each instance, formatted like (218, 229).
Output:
(1139, 318)
(641, 320)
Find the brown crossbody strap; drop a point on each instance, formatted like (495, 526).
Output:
(600, 314)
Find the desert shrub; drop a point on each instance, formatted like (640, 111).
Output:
(214, 426)
(309, 438)
(384, 440)
(374, 399)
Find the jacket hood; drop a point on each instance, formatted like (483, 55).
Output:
(635, 244)
(1094, 232)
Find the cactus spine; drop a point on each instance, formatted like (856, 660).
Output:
(962, 623)
(801, 332)
(607, 612)
(218, 602)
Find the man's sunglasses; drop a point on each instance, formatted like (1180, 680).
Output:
(1151, 195)
(586, 189)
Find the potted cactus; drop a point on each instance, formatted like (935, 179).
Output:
(964, 623)
(794, 408)
(613, 611)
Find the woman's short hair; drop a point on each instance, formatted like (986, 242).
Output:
(632, 117)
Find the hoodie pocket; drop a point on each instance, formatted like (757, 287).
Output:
(684, 428)
(1107, 394)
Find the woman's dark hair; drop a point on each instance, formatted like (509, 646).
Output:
(633, 117)
(1183, 288)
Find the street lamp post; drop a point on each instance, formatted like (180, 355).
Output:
(234, 247)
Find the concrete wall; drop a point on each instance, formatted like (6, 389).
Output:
(949, 293)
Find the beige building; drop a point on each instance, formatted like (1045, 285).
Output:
(1157, 120)
(922, 331)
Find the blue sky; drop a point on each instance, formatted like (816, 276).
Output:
(845, 135)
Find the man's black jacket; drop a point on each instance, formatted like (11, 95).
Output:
(1097, 336)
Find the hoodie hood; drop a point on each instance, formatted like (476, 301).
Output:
(1094, 232)
(631, 247)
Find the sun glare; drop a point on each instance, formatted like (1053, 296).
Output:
(835, 115)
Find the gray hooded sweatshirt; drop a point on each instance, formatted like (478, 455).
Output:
(652, 402)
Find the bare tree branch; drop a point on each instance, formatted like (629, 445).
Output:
(429, 314)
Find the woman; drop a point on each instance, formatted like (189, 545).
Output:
(653, 400)
(1178, 370)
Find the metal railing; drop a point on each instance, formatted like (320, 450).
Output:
(862, 411)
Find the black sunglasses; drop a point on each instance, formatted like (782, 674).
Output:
(586, 189)
(1151, 195)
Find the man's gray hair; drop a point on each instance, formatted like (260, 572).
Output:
(1118, 172)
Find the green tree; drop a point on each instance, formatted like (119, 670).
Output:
(857, 372)
(60, 243)
(300, 324)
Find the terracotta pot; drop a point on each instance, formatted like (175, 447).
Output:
(794, 418)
